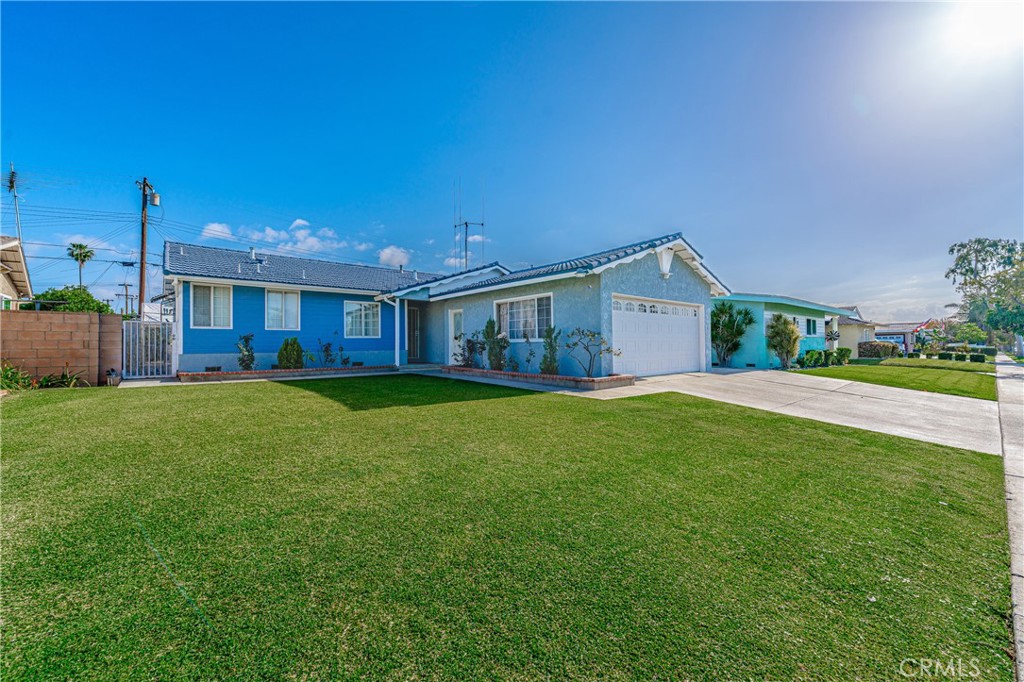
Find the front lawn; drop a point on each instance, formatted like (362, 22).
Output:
(401, 527)
(953, 382)
(955, 365)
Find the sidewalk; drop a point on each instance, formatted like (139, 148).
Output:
(1010, 382)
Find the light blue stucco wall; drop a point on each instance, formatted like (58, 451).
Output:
(576, 302)
(754, 350)
(643, 278)
(321, 314)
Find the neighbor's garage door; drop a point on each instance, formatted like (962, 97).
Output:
(655, 337)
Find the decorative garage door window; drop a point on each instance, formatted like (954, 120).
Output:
(525, 317)
(653, 309)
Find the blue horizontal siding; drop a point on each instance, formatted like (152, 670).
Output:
(321, 316)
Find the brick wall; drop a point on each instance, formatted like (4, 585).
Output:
(40, 343)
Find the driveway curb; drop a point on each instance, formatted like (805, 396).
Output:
(1010, 384)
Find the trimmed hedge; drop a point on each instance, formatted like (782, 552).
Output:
(913, 354)
(960, 357)
(843, 355)
(945, 355)
(978, 357)
(877, 349)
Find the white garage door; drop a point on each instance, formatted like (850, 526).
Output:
(656, 337)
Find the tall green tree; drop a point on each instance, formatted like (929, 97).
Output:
(989, 273)
(729, 323)
(81, 254)
(783, 339)
(69, 299)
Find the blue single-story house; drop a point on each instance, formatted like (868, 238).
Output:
(651, 300)
(810, 318)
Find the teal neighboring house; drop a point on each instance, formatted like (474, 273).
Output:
(810, 318)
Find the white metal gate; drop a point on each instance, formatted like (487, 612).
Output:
(148, 349)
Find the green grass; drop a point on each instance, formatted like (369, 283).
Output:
(952, 382)
(955, 365)
(409, 527)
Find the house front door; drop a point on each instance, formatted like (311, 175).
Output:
(454, 334)
(413, 334)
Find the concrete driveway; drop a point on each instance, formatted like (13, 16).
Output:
(933, 417)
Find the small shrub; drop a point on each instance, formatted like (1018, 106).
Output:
(66, 379)
(549, 359)
(586, 347)
(877, 349)
(843, 355)
(496, 345)
(811, 358)
(828, 358)
(291, 355)
(470, 347)
(945, 355)
(246, 355)
(960, 357)
(13, 379)
(327, 354)
(978, 357)
(990, 351)
(913, 354)
(531, 353)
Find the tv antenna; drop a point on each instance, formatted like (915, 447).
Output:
(462, 227)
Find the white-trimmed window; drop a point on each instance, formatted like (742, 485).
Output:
(524, 317)
(211, 306)
(362, 320)
(282, 309)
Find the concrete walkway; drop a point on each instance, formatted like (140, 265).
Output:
(1010, 382)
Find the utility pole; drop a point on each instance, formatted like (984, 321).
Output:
(12, 187)
(127, 298)
(146, 198)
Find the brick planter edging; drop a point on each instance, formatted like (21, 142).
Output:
(614, 381)
(194, 377)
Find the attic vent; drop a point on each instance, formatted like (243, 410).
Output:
(303, 273)
(239, 268)
(416, 275)
(181, 250)
(252, 253)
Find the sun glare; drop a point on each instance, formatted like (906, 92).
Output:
(984, 29)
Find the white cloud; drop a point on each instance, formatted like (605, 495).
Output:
(362, 246)
(393, 256)
(325, 232)
(216, 231)
(477, 238)
(453, 262)
(429, 242)
(298, 222)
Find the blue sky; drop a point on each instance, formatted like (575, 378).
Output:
(829, 151)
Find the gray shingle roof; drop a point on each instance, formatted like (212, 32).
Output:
(193, 260)
(582, 264)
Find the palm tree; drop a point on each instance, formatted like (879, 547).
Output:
(728, 325)
(81, 254)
